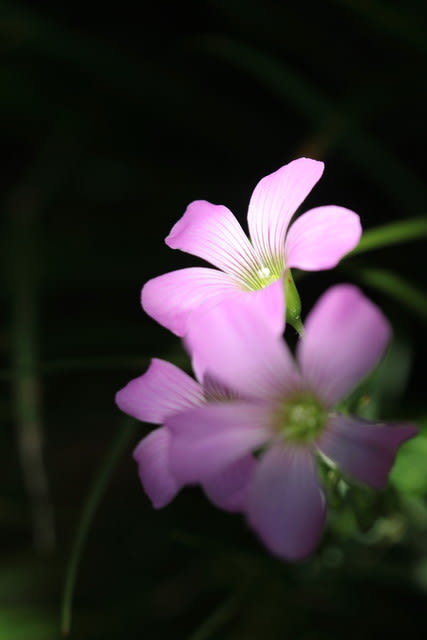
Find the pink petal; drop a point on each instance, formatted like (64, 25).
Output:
(161, 391)
(212, 232)
(215, 390)
(152, 457)
(270, 302)
(286, 506)
(206, 440)
(170, 298)
(228, 490)
(274, 201)
(235, 343)
(267, 304)
(321, 237)
(365, 450)
(345, 336)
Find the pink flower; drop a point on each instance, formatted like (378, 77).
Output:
(254, 449)
(316, 240)
(164, 391)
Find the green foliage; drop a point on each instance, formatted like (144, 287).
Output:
(409, 474)
(21, 623)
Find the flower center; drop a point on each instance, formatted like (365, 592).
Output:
(300, 418)
(261, 276)
(264, 273)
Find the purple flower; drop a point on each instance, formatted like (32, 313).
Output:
(250, 433)
(164, 391)
(316, 240)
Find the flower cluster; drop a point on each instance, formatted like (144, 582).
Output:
(252, 425)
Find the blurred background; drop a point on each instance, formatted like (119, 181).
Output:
(112, 120)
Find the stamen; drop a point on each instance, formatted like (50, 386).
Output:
(264, 273)
(301, 418)
(260, 276)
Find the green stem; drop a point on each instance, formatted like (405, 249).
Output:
(99, 485)
(293, 303)
(25, 205)
(298, 326)
(26, 391)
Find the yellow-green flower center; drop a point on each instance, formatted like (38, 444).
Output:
(300, 418)
(261, 275)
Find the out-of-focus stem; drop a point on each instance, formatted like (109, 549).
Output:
(26, 391)
(218, 618)
(293, 303)
(119, 443)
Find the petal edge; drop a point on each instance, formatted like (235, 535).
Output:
(172, 297)
(363, 449)
(161, 391)
(286, 506)
(274, 200)
(345, 337)
(321, 237)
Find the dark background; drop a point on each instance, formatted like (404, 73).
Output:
(112, 119)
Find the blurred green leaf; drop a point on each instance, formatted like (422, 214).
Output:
(379, 394)
(420, 573)
(391, 234)
(396, 287)
(25, 623)
(409, 474)
(398, 20)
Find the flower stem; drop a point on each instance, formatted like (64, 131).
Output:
(26, 388)
(293, 303)
(118, 446)
(298, 326)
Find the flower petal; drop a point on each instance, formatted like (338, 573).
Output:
(211, 232)
(286, 506)
(345, 336)
(170, 298)
(206, 440)
(161, 391)
(152, 457)
(321, 237)
(228, 490)
(274, 201)
(235, 343)
(270, 302)
(215, 390)
(365, 450)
